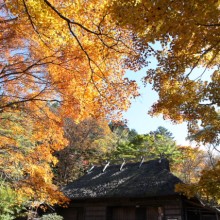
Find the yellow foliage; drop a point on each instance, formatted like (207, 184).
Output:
(59, 59)
(190, 164)
(67, 59)
(207, 187)
(184, 38)
(187, 33)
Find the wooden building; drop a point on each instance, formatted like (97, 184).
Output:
(135, 191)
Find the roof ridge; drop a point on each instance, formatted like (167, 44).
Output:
(128, 163)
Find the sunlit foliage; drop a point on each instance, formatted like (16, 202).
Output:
(187, 50)
(58, 59)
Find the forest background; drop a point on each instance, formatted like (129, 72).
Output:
(63, 71)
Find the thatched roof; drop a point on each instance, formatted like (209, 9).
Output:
(152, 179)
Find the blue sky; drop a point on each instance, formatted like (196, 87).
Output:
(138, 117)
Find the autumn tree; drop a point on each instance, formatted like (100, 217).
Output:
(206, 189)
(75, 54)
(89, 143)
(187, 76)
(66, 53)
(74, 57)
(191, 162)
(26, 156)
(184, 38)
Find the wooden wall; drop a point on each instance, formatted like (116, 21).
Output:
(127, 209)
(95, 213)
(173, 212)
(137, 209)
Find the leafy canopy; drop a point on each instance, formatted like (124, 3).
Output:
(74, 55)
(58, 59)
(188, 35)
(9, 204)
(89, 142)
(71, 53)
(156, 144)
